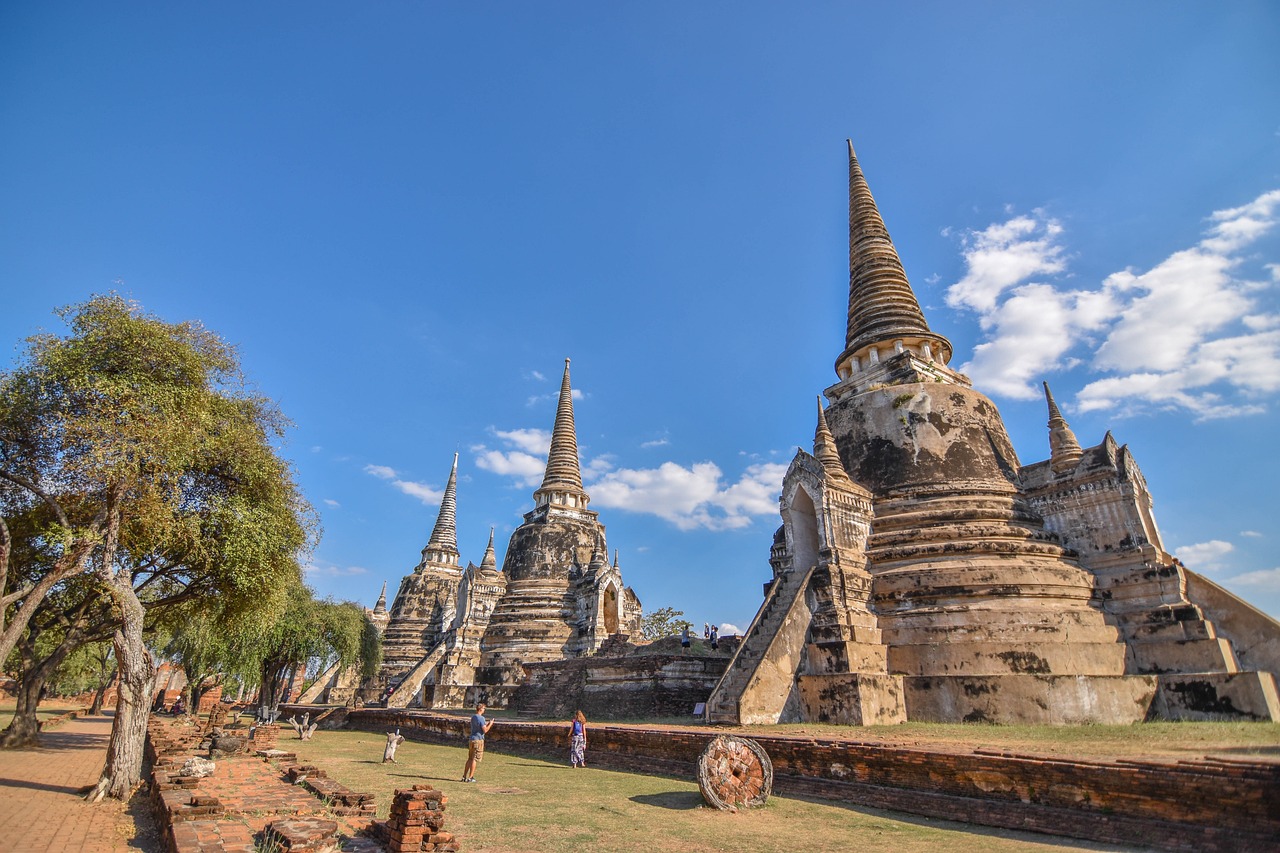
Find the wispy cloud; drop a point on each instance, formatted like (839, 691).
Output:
(1264, 579)
(1190, 333)
(421, 491)
(576, 394)
(1205, 556)
(330, 502)
(330, 570)
(693, 497)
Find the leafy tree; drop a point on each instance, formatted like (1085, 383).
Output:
(310, 628)
(155, 463)
(663, 622)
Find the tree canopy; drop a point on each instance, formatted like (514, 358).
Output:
(151, 464)
(663, 622)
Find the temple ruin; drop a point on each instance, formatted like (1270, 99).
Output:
(922, 572)
(455, 636)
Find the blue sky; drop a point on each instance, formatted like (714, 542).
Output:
(407, 214)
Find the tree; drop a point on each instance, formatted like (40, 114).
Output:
(311, 628)
(156, 465)
(47, 653)
(663, 622)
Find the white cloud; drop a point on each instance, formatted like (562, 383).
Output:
(598, 466)
(421, 491)
(538, 375)
(1263, 579)
(693, 497)
(332, 503)
(1003, 255)
(332, 571)
(728, 629)
(535, 441)
(525, 468)
(1205, 556)
(1188, 334)
(1252, 534)
(657, 442)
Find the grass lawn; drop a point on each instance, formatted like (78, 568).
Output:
(523, 804)
(45, 710)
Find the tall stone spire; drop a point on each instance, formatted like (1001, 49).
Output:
(824, 449)
(884, 316)
(1064, 450)
(562, 483)
(381, 606)
(442, 547)
(490, 560)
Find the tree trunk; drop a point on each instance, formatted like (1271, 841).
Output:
(24, 729)
(123, 770)
(96, 707)
(272, 688)
(73, 561)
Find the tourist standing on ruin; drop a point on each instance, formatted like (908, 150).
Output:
(685, 638)
(578, 739)
(475, 744)
(715, 638)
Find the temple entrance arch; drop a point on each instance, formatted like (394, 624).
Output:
(611, 619)
(802, 519)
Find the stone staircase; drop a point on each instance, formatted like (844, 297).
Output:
(412, 682)
(748, 692)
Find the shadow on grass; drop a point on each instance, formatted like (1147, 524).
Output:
(972, 829)
(677, 800)
(418, 777)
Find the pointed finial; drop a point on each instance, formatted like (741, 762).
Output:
(882, 306)
(1064, 449)
(598, 560)
(490, 560)
(444, 536)
(824, 449)
(381, 606)
(563, 475)
(615, 558)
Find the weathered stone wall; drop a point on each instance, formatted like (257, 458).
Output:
(1206, 805)
(634, 687)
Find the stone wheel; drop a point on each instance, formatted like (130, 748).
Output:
(735, 773)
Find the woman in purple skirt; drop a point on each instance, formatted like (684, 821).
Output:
(578, 740)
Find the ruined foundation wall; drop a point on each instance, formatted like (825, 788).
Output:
(1208, 805)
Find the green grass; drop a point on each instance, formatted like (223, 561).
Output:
(523, 804)
(52, 708)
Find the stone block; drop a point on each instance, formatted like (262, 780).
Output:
(853, 699)
(1217, 696)
(1035, 699)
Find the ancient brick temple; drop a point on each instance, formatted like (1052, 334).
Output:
(922, 572)
(458, 635)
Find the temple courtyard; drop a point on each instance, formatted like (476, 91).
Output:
(527, 802)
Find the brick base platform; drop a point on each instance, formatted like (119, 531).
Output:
(1210, 804)
(254, 801)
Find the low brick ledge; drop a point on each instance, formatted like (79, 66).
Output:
(1211, 804)
(194, 823)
